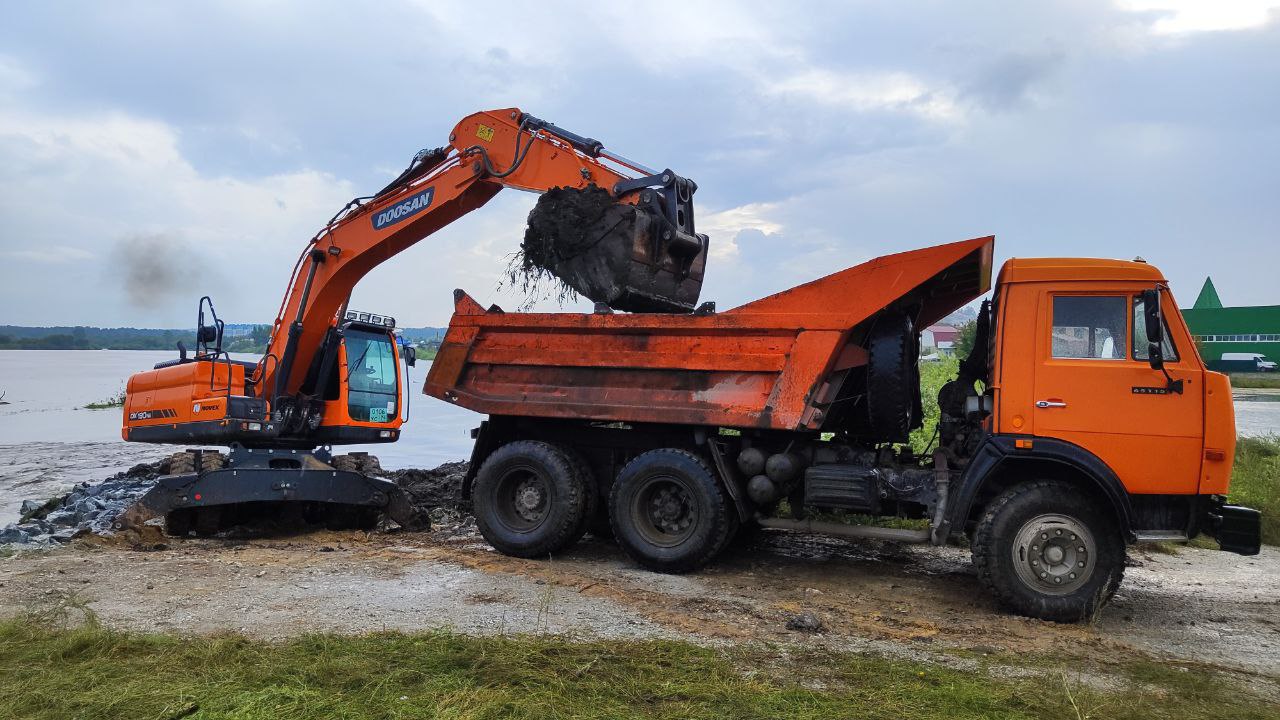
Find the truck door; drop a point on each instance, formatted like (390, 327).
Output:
(1094, 387)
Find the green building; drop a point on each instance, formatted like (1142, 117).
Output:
(1220, 330)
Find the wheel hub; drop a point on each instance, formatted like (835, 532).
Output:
(1054, 554)
(529, 499)
(669, 511)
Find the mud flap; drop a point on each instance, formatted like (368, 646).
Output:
(1237, 529)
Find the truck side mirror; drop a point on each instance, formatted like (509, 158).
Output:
(1155, 327)
(410, 355)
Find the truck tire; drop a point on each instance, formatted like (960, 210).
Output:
(591, 490)
(1047, 551)
(669, 513)
(893, 378)
(529, 500)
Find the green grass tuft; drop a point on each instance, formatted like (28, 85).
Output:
(1254, 381)
(114, 401)
(1255, 481)
(49, 670)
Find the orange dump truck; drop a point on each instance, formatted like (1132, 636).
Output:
(1083, 420)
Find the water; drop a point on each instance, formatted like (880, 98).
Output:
(48, 441)
(1257, 412)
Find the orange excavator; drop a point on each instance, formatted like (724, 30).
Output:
(607, 227)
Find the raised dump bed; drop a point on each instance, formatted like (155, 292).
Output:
(791, 361)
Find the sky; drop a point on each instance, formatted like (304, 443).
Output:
(152, 153)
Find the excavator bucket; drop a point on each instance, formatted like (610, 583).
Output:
(630, 257)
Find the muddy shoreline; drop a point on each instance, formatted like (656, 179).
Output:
(1194, 606)
(1197, 606)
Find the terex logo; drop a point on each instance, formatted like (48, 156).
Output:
(406, 208)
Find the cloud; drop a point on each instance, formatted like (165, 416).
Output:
(867, 92)
(1009, 80)
(1183, 17)
(74, 184)
(817, 139)
(14, 76)
(725, 226)
(52, 254)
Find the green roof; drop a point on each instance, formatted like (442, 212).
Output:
(1208, 297)
(1233, 320)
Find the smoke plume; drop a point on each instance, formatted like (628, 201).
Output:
(156, 269)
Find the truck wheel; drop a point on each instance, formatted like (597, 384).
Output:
(591, 490)
(668, 511)
(528, 499)
(893, 378)
(1047, 551)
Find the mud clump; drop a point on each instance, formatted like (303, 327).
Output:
(430, 489)
(587, 243)
(571, 243)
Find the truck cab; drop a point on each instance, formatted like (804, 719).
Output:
(1072, 364)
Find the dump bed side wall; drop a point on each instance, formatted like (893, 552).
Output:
(762, 365)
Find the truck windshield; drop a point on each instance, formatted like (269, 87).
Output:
(371, 376)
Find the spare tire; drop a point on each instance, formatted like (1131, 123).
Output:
(893, 378)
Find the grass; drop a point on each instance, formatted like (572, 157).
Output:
(933, 375)
(1255, 481)
(114, 401)
(1255, 380)
(91, 672)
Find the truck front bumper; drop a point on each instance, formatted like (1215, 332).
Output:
(1237, 529)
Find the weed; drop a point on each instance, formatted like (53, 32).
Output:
(114, 401)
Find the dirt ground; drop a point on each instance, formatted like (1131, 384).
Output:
(1197, 606)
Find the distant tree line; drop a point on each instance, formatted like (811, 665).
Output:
(14, 337)
(242, 338)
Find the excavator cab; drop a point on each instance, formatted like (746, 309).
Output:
(363, 390)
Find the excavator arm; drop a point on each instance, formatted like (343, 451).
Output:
(656, 262)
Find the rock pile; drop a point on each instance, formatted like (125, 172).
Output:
(96, 507)
(88, 508)
(427, 489)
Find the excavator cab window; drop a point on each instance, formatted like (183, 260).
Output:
(372, 392)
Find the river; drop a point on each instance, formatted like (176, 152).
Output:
(48, 441)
